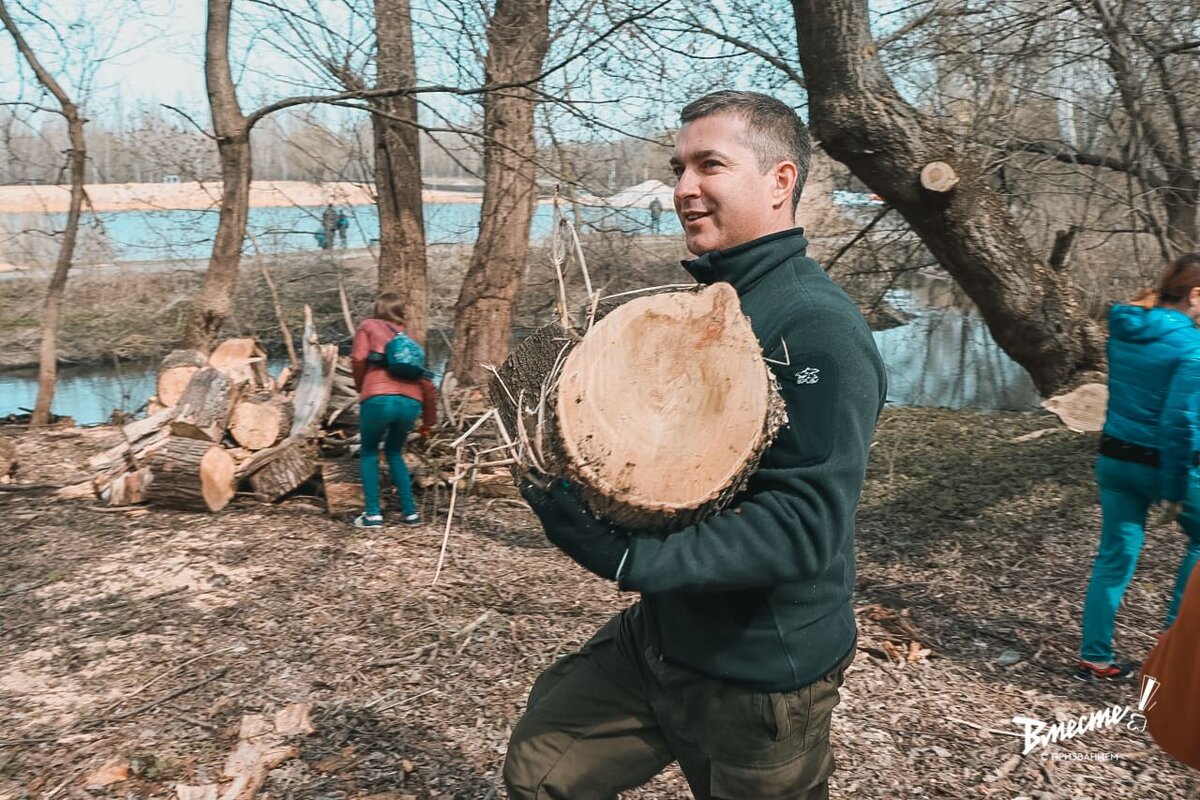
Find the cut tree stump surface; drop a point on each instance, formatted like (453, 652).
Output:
(659, 415)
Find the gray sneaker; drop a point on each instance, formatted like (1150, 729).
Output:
(365, 520)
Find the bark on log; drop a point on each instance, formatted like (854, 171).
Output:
(315, 383)
(204, 408)
(192, 475)
(8, 457)
(659, 415)
(343, 489)
(260, 420)
(281, 469)
(175, 372)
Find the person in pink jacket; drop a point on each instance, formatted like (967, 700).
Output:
(390, 408)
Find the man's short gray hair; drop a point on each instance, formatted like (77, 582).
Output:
(773, 131)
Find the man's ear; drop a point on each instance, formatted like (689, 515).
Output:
(786, 175)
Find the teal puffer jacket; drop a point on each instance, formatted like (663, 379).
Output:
(1153, 384)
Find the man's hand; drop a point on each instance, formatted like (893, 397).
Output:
(568, 524)
(1167, 513)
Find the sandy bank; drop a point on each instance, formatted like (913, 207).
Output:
(199, 196)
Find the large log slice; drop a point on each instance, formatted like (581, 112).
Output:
(190, 474)
(659, 414)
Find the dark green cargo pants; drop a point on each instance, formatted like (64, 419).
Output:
(613, 715)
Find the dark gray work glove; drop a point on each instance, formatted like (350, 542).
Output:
(594, 545)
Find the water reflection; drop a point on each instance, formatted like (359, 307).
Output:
(946, 355)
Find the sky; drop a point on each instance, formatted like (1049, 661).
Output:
(118, 61)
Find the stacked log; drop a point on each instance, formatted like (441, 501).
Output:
(191, 475)
(260, 420)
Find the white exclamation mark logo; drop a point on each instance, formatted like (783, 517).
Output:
(1137, 720)
(1149, 687)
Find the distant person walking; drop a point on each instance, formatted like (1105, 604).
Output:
(656, 209)
(343, 227)
(1146, 451)
(388, 410)
(329, 221)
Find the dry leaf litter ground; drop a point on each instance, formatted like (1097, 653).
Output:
(133, 643)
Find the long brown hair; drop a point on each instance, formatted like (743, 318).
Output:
(1179, 278)
(389, 307)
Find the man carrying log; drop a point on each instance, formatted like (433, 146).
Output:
(732, 661)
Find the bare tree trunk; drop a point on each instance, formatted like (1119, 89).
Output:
(518, 38)
(398, 168)
(77, 157)
(214, 302)
(861, 120)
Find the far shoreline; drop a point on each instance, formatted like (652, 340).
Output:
(195, 196)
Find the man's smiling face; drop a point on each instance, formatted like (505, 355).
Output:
(722, 197)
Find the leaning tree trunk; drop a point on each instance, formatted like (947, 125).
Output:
(214, 302)
(402, 265)
(862, 121)
(659, 414)
(77, 161)
(518, 37)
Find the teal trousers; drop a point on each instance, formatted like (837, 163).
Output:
(386, 419)
(1127, 490)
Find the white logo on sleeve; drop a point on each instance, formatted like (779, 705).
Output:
(808, 375)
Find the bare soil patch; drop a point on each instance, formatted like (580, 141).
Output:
(146, 635)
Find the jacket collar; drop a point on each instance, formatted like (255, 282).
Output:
(746, 264)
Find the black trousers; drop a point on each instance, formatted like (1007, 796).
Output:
(613, 715)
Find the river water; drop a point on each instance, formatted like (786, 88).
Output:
(944, 356)
(122, 236)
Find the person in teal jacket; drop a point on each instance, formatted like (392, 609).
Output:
(1147, 451)
(731, 663)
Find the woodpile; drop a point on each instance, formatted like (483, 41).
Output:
(223, 423)
(222, 426)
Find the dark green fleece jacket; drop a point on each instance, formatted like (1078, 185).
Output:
(759, 594)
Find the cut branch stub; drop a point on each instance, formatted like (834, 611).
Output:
(938, 176)
(659, 415)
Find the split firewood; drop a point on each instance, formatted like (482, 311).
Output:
(281, 469)
(658, 413)
(192, 475)
(141, 437)
(205, 406)
(260, 420)
(243, 361)
(129, 487)
(174, 373)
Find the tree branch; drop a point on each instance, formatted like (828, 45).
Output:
(370, 94)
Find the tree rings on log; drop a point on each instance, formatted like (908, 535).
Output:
(938, 176)
(260, 420)
(659, 414)
(191, 474)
